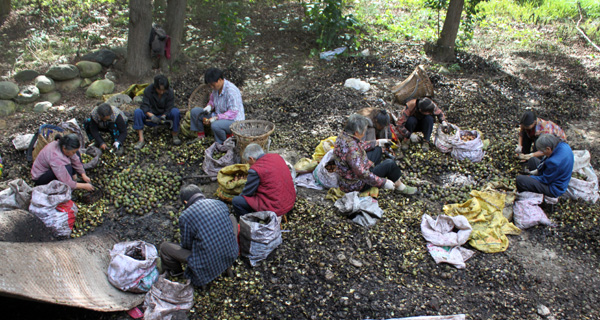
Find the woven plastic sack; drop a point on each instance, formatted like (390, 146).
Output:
(322, 176)
(185, 126)
(260, 234)
(526, 211)
(232, 180)
(17, 196)
(133, 266)
(95, 153)
(472, 150)
(168, 300)
(587, 189)
(305, 165)
(211, 165)
(444, 142)
(324, 146)
(44, 202)
(581, 159)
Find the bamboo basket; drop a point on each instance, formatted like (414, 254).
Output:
(252, 131)
(416, 86)
(199, 98)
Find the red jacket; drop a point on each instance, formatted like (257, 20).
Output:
(276, 189)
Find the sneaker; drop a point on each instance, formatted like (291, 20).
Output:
(139, 145)
(176, 140)
(425, 146)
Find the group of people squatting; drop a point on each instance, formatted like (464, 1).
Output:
(208, 229)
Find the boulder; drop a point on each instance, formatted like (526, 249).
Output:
(118, 100)
(88, 69)
(99, 88)
(104, 57)
(63, 72)
(86, 82)
(120, 51)
(111, 76)
(42, 106)
(7, 107)
(68, 85)
(8, 90)
(27, 95)
(26, 75)
(45, 84)
(52, 97)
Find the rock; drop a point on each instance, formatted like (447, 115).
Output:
(118, 100)
(88, 69)
(542, 310)
(7, 107)
(356, 263)
(63, 72)
(42, 106)
(104, 57)
(111, 76)
(341, 257)
(8, 90)
(68, 85)
(86, 82)
(27, 95)
(52, 97)
(120, 51)
(44, 84)
(365, 53)
(99, 88)
(26, 75)
(138, 99)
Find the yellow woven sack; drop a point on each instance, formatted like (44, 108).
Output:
(233, 178)
(323, 147)
(305, 165)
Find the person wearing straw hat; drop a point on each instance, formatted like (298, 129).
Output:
(224, 107)
(269, 186)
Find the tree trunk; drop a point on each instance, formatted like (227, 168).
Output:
(175, 21)
(444, 47)
(4, 8)
(138, 62)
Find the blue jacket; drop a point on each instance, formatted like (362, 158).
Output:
(556, 170)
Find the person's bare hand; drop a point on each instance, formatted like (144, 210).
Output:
(103, 146)
(87, 186)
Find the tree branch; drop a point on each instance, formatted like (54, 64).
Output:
(581, 31)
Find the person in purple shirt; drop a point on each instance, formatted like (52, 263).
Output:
(58, 160)
(224, 107)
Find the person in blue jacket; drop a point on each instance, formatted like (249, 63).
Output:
(553, 170)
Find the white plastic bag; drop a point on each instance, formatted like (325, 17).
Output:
(357, 84)
(44, 202)
(364, 211)
(443, 141)
(443, 242)
(472, 150)
(17, 196)
(526, 211)
(581, 159)
(133, 266)
(22, 141)
(322, 176)
(168, 300)
(258, 240)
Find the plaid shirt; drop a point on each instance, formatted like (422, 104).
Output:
(228, 104)
(411, 111)
(546, 126)
(207, 231)
(352, 164)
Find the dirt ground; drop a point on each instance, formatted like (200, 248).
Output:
(329, 268)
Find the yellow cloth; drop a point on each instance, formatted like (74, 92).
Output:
(335, 193)
(324, 147)
(484, 213)
(305, 165)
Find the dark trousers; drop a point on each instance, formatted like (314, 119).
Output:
(386, 169)
(113, 130)
(49, 176)
(528, 183)
(375, 155)
(533, 163)
(241, 206)
(528, 144)
(424, 125)
(139, 119)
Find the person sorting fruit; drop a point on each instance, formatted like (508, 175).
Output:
(59, 160)
(553, 172)
(109, 119)
(269, 186)
(224, 107)
(379, 126)
(418, 116)
(208, 239)
(356, 171)
(158, 107)
(531, 128)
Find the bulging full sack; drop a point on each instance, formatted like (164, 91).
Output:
(445, 141)
(322, 175)
(260, 234)
(211, 165)
(133, 266)
(52, 204)
(583, 189)
(168, 300)
(468, 149)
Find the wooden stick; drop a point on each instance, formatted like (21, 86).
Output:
(581, 31)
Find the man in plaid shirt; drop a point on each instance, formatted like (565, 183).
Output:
(208, 239)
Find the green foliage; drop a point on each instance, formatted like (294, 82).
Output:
(232, 28)
(326, 18)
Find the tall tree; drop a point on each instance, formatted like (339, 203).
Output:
(443, 50)
(138, 62)
(174, 26)
(4, 8)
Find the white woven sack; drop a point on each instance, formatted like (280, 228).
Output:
(322, 176)
(472, 150)
(44, 200)
(584, 189)
(129, 274)
(444, 142)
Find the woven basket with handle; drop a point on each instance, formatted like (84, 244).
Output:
(199, 97)
(252, 131)
(417, 85)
